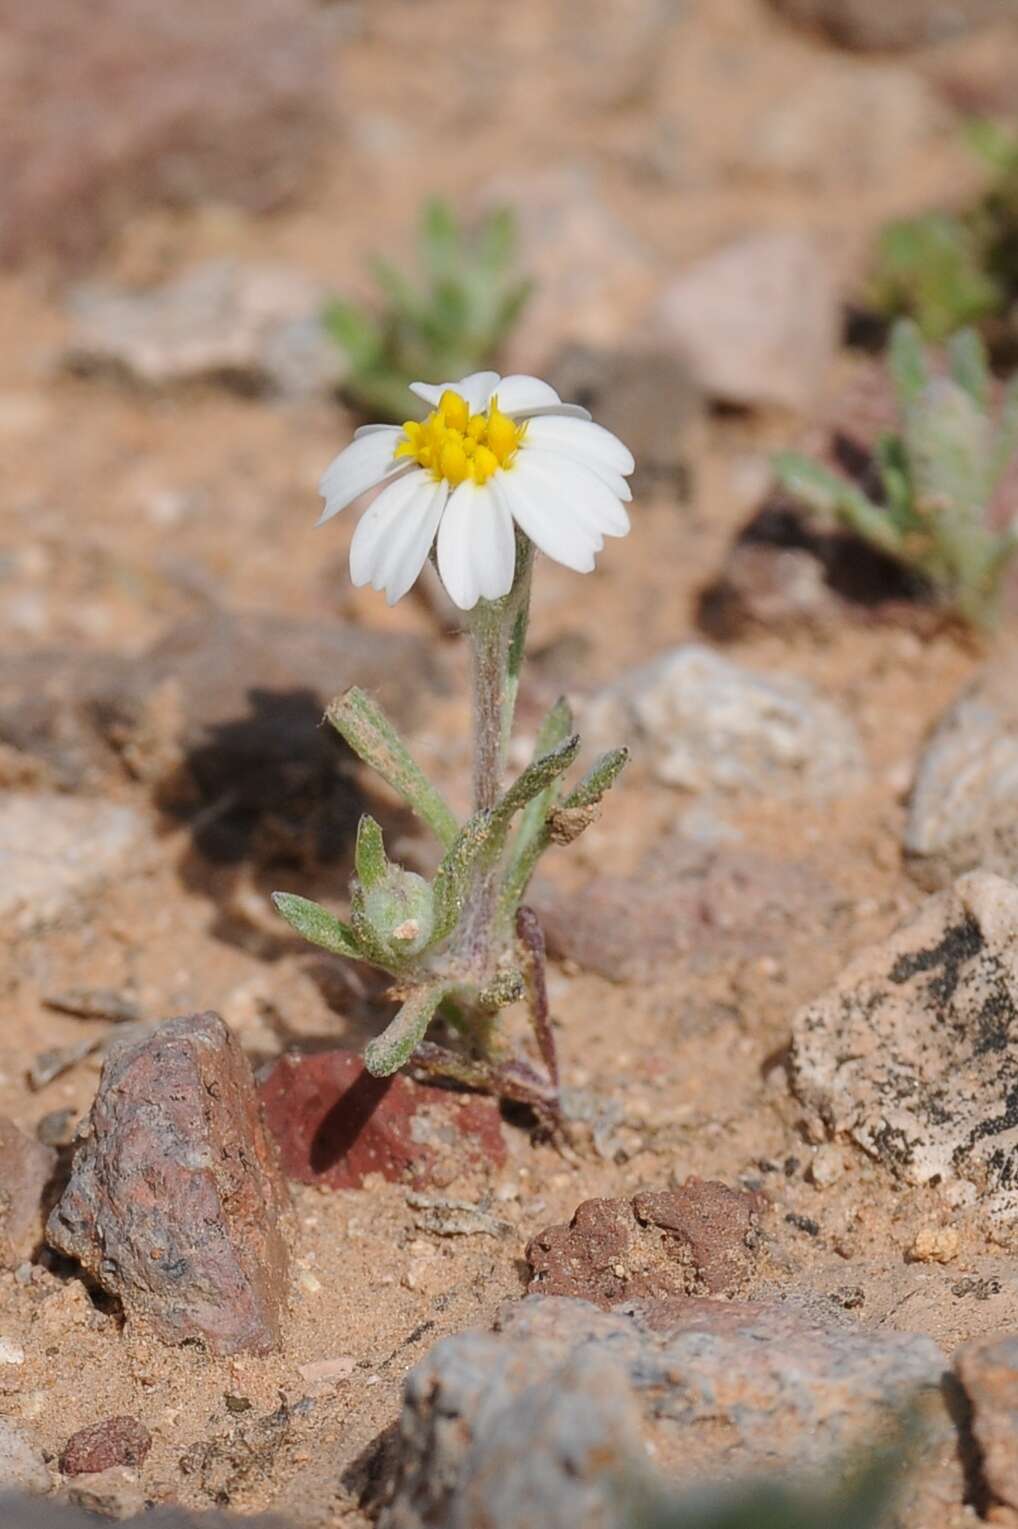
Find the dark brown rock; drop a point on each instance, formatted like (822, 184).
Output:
(114, 1441)
(874, 26)
(174, 1203)
(120, 104)
(334, 1124)
(697, 1240)
(25, 1170)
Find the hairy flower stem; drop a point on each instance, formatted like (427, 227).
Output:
(498, 630)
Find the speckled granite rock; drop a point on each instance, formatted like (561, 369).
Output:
(914, 1052)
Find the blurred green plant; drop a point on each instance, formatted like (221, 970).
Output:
(448, 323)
(937, 478)
(947, 269)
(864, 1499)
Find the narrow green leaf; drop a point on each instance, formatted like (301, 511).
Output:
(369, 857)
(535, 778)
(907, 361)
(368, 731)
(598, 780)
(396, 1045)
(555, 729)
(830, 494)
(318, 925)
(368, 938)
(355, 331)
(970, 366)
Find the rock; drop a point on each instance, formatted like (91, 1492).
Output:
(703, 723)
(869, 26)
(756, 322)
(113, 1441)
(57, 853)
(697, 1240)
(181, 108)
(914, 1052)
(174, 1203)
(617, 66)
(720, 1389)
(22, 1467)
(592, 276)
(687, 902)
(988, 1371)
(26, 1167)
(113, 1493)
(255, 328)
(645, 397)
(845, 124)
(963, 808)
(334, 1124)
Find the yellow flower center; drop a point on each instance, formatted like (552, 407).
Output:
(456, 445)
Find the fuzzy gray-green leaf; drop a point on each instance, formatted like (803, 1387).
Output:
(970, 366)
(907, 361)
(368, 731)
(1005, 445)
(318, 925)
(369, 856)
(599, 779)
(831, 495)
(388, 1052)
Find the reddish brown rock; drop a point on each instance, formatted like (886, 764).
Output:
(122, 103)
(334, 1124)
(697, 1240)
(114, 1441)
(175, 1204)
(25, 1169)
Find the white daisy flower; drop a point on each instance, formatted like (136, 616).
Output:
(493, 451)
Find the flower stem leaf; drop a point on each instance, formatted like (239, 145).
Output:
(365, 727)
(318, 926)
(369, 857)
(598, 780)
(391, 1050)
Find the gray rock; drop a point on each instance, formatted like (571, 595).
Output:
(844, 123)
(687, 901)
(756, 322)
(124, 104)
(703, 723)
(490, 1420)
(963, 810)
(22, 1467)
(253, 327)
(113, 1493)
(57, 853)
(914, 1052)
(873, 26)
(988, 1371)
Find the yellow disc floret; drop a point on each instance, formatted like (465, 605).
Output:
(456, 445)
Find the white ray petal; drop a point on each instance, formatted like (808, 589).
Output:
(577, 489)
(413, 536)
(519, 392)
(557, 532)
(476, 389)
(370, 545)
(376, 430)
(582, 439)
(363, 464)
(476, 546)
(552, 411)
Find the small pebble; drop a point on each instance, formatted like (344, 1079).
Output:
(11, 1352)
(827, 1167)
(934, 1245)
